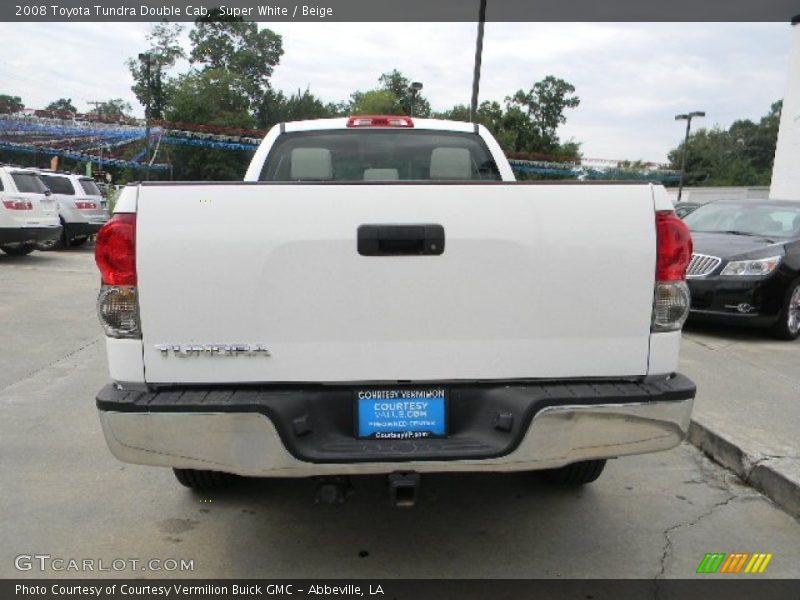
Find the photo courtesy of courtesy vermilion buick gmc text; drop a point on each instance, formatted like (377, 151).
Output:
(380, 296)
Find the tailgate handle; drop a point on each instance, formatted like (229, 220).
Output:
(400, 240)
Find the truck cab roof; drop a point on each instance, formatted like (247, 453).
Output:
(480, 140)
(346, 122)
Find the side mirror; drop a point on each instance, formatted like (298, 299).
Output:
(48, 193)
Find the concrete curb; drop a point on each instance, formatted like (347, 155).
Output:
(776, 477)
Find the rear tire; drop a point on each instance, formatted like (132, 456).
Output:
(19, 250)
(202, 480)
(788, 325)
(78, 241)
(579, 473)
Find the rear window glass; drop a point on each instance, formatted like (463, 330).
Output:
(746, 218)
(28, 183)
(58, 185)
(379, 155)
(89, 187)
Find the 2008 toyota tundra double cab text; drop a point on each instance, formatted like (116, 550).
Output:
(380, 296)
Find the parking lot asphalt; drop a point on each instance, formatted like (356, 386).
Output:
(649, 516)
(747, 410)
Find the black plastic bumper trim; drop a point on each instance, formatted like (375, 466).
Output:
(81, 229)
(13, 235)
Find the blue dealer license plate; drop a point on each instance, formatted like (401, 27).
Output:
(401, 413)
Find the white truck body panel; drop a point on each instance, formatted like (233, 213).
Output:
(536, 281)
(125, 360)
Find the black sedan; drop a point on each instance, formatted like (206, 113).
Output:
(746, 264)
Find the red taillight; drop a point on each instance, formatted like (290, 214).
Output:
(18, 205)
(115, 251)
(674, 247)
(380, 121)
(85, 205)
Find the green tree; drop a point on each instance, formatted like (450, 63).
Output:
(489, 114)
(338, 109)
(740, 155)
(569, 150)
(519, 133)
(544, 105)
(756, 141)
(228, 86)
(211, 97)
(391, 97)
(275, 107)
(632, 165)
(238, 46)
(375, 102)
(164, 50)
(10, 104)
(529, 121)
(114, 108)
(62, 105)
(398, 84)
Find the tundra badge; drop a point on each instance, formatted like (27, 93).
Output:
(211, 350)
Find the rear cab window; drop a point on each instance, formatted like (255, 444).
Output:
(58, 185)
(384, 155)
(28, 183)
(89, 187)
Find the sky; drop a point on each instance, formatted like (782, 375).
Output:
(632, 78)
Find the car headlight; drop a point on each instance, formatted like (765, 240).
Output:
(762, 266)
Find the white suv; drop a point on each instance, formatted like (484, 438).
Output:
(81, 207)
(28, 214)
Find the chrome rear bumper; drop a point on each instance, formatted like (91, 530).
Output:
(248, 443)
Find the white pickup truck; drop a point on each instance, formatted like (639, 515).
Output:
(380, 296)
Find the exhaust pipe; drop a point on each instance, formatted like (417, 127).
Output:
(403, 489)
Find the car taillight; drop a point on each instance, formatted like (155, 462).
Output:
(673, 252)
(85, 205)
(118, 311)
(18, 204)
(674, 243)
(115, 251)
(115, 255)
(380, 121)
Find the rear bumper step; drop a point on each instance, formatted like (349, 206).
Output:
(304, 432)
(78, 229)
(15, 235)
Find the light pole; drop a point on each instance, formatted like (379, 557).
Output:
(688, 118)
(146, 59)
(476, 76)
(413, 90)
